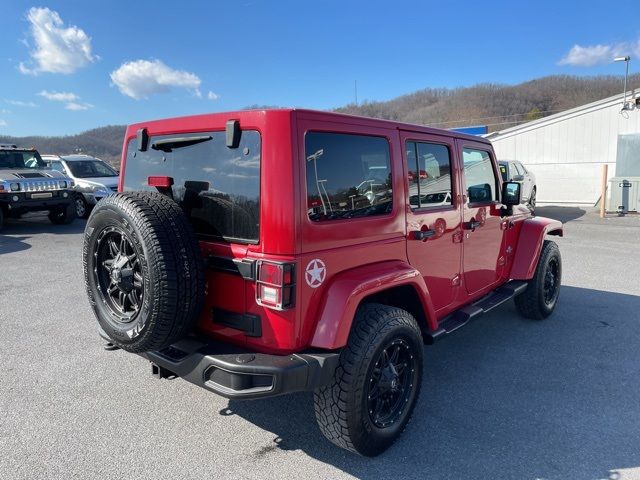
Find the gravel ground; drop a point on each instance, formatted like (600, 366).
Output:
(502, 398)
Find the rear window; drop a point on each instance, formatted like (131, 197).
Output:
(218, 187)
(348, 176)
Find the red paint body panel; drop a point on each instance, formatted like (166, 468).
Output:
(362, 256)
(530, 240)
(348, 289)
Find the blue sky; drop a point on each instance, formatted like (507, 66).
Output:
(69, 66)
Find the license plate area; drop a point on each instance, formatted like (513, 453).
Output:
(41, 195)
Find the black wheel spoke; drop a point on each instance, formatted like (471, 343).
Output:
(113, 288)
(119, 274)
(390, 384)
(113, 248)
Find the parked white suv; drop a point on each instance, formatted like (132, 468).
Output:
(94, 179)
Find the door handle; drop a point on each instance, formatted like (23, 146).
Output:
(472, 225)
(423, 234)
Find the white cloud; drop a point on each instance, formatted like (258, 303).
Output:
(3, 123)
(58, 49)
(59, 96)
(78, 106)
(598, 54)
(212, 95)
(142, 78)
(20, 103)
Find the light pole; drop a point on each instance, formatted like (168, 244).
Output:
(626, 60)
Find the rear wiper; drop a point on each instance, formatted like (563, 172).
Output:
(168, 144)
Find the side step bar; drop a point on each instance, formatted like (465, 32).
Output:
(485, 304)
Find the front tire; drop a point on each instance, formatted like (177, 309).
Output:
(376, 384)
(532, 199)
(82, 207)
(63, 215)
(541, 296)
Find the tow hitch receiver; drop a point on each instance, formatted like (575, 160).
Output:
(161, 372)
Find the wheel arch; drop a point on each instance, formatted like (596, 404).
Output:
(530, 241)
(394, 283)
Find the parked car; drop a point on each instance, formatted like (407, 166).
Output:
(94, 179)
(514, 171)
(245, 255)
(27, 185)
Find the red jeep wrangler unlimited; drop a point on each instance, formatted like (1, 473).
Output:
(258, 253)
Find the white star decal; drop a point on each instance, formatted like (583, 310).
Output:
(315, 273)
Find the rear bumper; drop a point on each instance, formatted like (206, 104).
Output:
(240, 374)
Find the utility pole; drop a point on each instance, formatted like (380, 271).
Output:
(355, 84)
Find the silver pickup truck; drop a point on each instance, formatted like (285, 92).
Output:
(28, 185)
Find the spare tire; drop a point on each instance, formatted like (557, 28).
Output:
(143, 269)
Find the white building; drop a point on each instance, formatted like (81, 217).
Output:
(566, 151)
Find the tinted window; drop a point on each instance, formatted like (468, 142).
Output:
(348, 176)
(218, 187)
(90, 168)
(429, 167)
(20, 160)
(479, 175)
(57, 166)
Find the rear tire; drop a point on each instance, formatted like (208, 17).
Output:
(370, 402)
(541, 296)
(143, 270)
(63, 215)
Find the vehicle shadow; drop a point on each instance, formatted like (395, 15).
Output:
(504, 397)
(564, 214)
(16, 233)
(13, 244)
(35, 224)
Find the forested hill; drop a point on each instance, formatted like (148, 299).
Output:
(496, 105)
(103, 142)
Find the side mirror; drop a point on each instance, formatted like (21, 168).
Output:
(518, 178)
(510, 193)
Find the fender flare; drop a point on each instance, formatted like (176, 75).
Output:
(530, 243)
(348, 288)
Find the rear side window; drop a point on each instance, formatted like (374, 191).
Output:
(348, 176)
(217, 187)
(429, 170)
(479, 176)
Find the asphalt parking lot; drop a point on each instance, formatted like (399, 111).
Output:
(502, 398)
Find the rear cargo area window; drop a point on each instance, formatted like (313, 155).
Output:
(348, 176)
(217, 187)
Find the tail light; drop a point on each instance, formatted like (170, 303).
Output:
(275, 284)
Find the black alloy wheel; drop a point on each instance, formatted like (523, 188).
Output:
(551, 281)
(391, 382)
(119, 275)
(539, 300)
